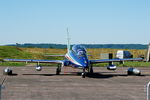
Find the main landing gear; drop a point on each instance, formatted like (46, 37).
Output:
(91, 69)
(58, 70)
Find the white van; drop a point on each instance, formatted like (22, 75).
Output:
(123, 54)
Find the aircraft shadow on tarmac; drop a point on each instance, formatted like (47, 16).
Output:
(94, 75)
(40, 74)
(13, 74)
(100, 75)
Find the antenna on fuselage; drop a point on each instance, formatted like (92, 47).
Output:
(68, 38)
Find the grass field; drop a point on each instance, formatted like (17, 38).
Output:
(38, 53)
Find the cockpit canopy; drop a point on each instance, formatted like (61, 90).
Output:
(79, 50)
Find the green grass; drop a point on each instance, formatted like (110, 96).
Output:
(136, 64)
(12, 64)
(13, 52)
(126, 64)
(23, 53)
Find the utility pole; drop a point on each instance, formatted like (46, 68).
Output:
(147, 58)
(148, 91)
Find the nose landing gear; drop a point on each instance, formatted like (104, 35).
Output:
(83, 74)
(89, 69)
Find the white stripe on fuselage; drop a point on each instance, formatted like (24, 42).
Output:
(69, 57)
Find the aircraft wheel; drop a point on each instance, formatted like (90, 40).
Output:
(57, 71)
(91, 70)
(83, 75)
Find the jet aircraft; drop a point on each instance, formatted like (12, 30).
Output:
(76, 57)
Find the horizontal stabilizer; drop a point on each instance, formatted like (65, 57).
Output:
(54, 55)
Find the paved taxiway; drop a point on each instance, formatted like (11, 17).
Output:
(28, 84)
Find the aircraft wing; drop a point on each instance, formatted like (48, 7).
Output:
(34, 61)
(115, 60)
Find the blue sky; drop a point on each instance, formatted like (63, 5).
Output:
(89, 21)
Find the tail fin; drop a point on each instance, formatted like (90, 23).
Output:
(68, 38)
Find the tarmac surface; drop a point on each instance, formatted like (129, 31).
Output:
(28, 84)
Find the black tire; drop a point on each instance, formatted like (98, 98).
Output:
(10, 73)
(57, 71)
(91, 70)
(129, 73)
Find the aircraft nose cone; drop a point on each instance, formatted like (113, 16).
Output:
(84, 64)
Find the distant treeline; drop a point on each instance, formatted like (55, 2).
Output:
(62, 46)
